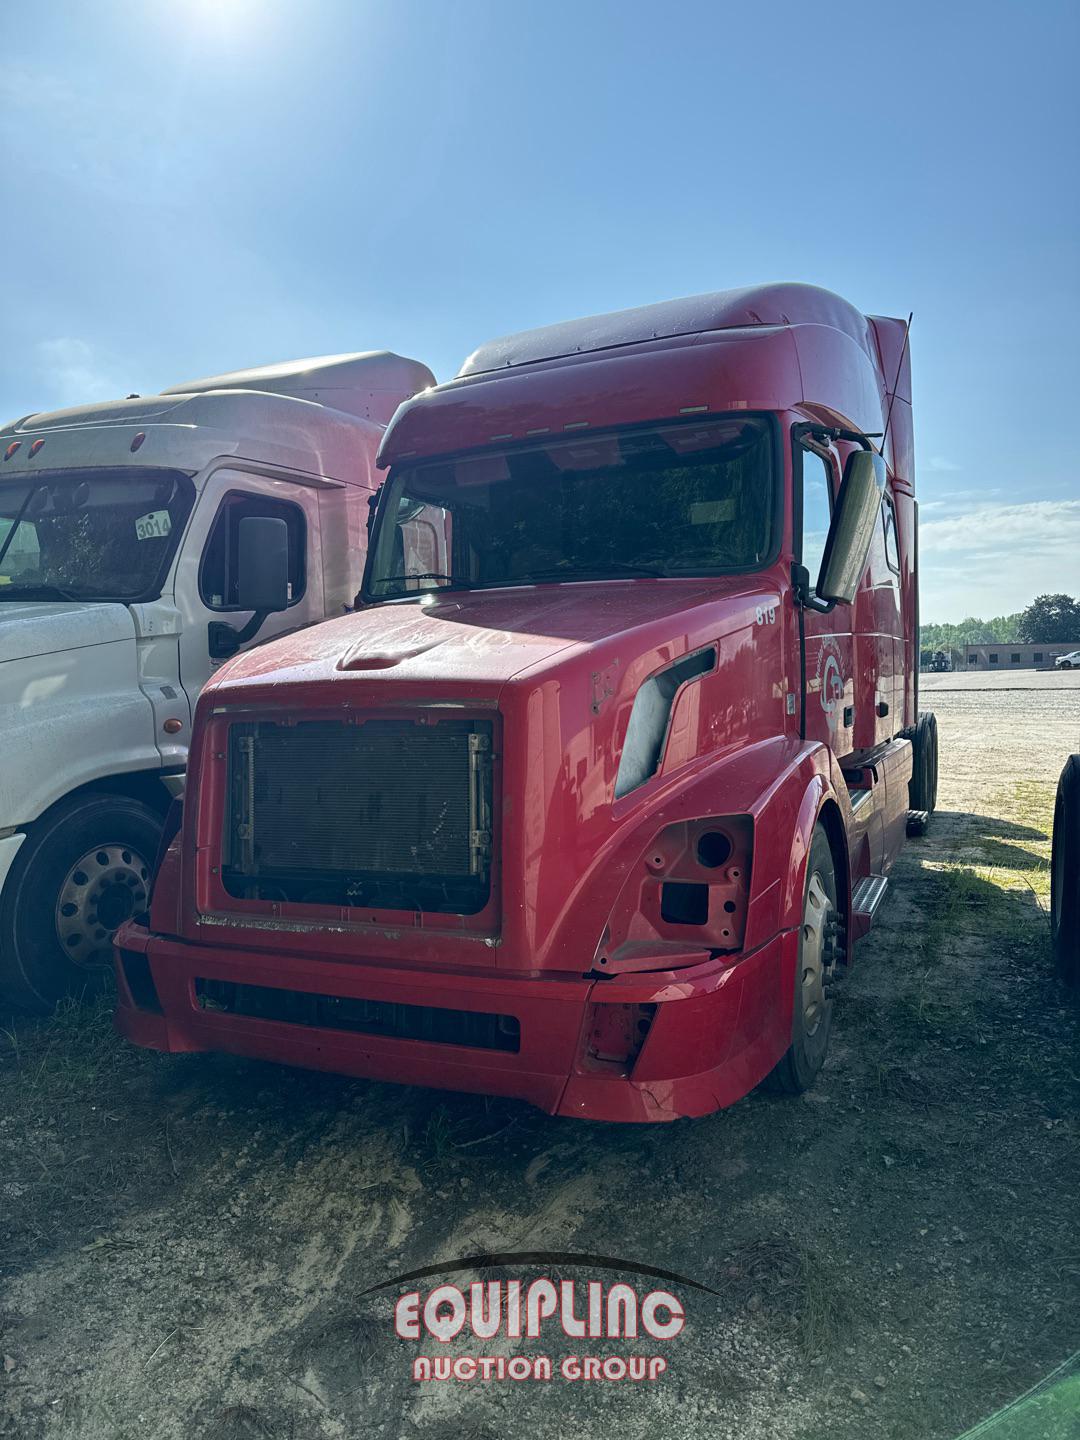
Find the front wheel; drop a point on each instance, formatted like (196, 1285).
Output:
(81, 872)
(812, 1018)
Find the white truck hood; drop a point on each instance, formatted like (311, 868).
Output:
(29, 628)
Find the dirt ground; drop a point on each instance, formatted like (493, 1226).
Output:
(186, 1241)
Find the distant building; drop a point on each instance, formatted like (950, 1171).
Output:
(1013, 655)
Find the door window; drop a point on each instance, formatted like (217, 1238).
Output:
(218, 575)
(816, 510)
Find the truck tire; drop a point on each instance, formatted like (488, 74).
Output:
(1065, 875)
(812, 1018)
(82, 870)
(922, 789)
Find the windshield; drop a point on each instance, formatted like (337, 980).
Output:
(684, 499)
(90, 534)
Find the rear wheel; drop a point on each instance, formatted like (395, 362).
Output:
(81, 872)
(1065, 875)
(812, 1018)
(922, 790)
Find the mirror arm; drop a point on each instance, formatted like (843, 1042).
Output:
(372, 506)
(225, 639)
(825, 433)
(804, 595)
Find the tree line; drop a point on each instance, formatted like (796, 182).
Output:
(1048, 620)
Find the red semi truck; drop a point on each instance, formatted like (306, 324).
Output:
(588, 800)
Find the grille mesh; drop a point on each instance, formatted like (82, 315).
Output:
(359, 813)
(476, 1029)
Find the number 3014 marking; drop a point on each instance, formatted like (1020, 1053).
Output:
(765, 614)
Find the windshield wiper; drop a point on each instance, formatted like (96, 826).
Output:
(438, 575)
(595, 572)
(38, 592)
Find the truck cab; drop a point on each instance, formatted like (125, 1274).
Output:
(589, 800)
(123, 588)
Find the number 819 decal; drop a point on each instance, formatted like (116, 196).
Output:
(765, 614)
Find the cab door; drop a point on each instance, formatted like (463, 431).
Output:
(879, 640)
(892, 618)
(828, 666)
(207, 575)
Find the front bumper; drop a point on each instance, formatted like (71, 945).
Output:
(717, 1030)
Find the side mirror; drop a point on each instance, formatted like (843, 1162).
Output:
(262, 564)
(852, 528)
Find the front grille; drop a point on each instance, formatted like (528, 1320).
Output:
(473, 1028)
(391, 814)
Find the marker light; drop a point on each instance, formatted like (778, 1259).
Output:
(10, 451)
(35, 447)
(139, 438)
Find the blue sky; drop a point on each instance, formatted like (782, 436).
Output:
(197, 185)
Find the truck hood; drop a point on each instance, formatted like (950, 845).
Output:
(556, 671)
(483, 636)
(29, 628)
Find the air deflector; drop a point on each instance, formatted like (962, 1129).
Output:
(651, 715)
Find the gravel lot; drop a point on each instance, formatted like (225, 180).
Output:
(186, 1241)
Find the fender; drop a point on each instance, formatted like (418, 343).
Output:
(819, 795)
(784, 822)
(69, 719)
(794, 881)
(781, 785)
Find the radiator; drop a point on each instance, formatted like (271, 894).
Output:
(387, 813)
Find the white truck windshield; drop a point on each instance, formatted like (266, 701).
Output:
(90, 534)
(681, 499)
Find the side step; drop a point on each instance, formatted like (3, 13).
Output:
(866, 901)
(918, 822)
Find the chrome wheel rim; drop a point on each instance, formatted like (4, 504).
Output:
(105, 887)
(816, 913)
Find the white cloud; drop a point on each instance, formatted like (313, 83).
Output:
(1039, 523)
(938, 465)
(73, 372)
(994, 559)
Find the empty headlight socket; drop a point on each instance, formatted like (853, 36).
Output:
(692, 892)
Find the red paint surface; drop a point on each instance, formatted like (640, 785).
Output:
(574, 885)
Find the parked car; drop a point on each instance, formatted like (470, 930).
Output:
(132, 537)
(1070, 661)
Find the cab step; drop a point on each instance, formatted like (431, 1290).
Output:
(918, 822)
(866, 901)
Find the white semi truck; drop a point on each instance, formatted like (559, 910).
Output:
(142, 542)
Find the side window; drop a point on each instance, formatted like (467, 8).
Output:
(892, 550)
(218, 577)
(816, 510)
(21, 553)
